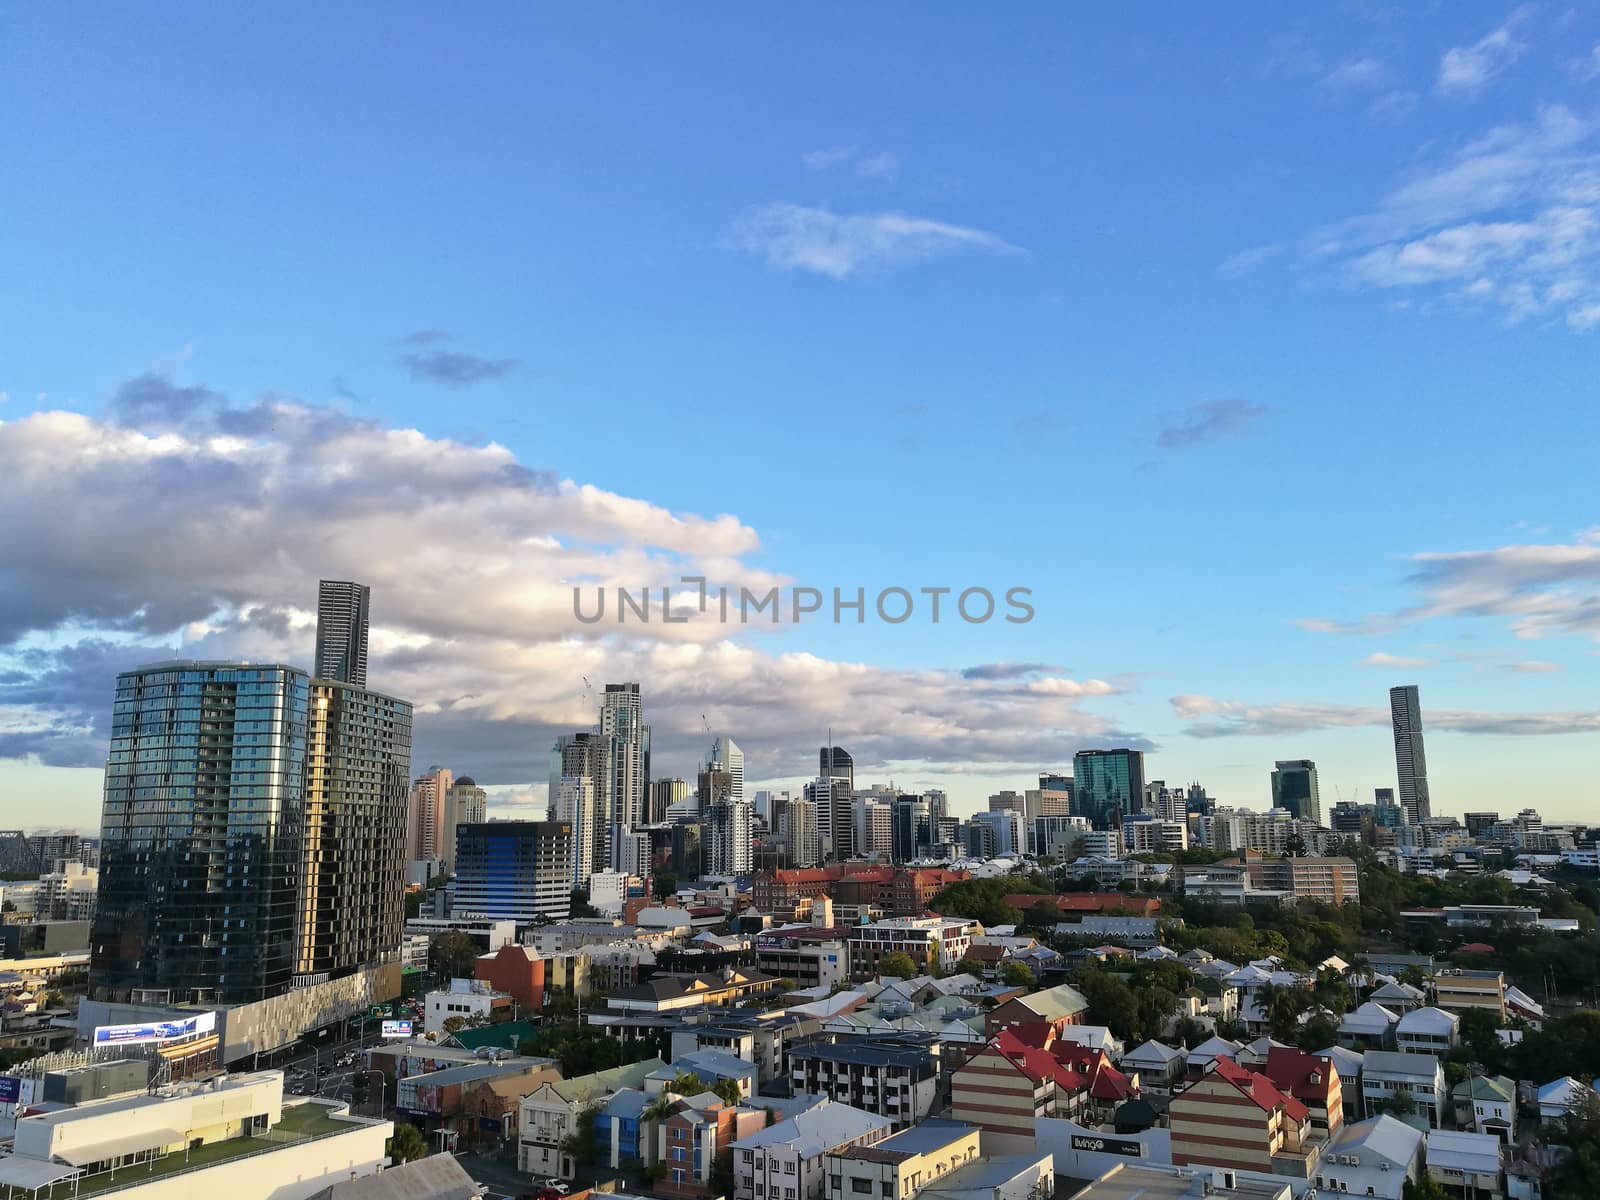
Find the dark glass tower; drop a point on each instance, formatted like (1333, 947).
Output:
(202, 834)
(251, 833)
(1294, 787)
(1410, 763)
(1107, 785)
(342, 614)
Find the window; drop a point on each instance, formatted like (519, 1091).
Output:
(861, 1187)
(788, 1167)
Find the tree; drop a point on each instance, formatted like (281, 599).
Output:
(898, 964)
(970, 966)
(1579, 1175)
(407, 1144)
(451, 954)
(1424, 1187)
(664, 884)
(1015, 974)
(1399, 1103)
(583, 1143)
(728, 1091)
(454, 1023)
(580, 905)
(1189, 1032)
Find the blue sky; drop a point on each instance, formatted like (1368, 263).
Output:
(1203, 331)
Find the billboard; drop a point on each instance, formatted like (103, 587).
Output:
(397, 1029)
(155, 1031)
(10, 1089)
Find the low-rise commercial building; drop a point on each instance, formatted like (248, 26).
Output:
(784, 1160)
(1458, 989)
(898, 1167)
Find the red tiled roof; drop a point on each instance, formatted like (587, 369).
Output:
(1291, 1071)
(1033, 1049)
(1475, 948)
(1258, 1089)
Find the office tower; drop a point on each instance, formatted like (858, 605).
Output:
(622, 721)
(588, 755)
(1008, 802)
(634, 855)
(464, 804)
(835, 763)
(425, 814)
(1198, 801)
(1348, 817)
(913, 831)
(938, 807)
(253, 829)
(358, 755)
(1164, 803)
(1294, 787)
(343, 610)
(834, 805)
(1055, 837)
(1386, 811)
(715, 785)
(1055, 796)
(573, 804)
(513, 871)
(799, 831)
(874, 828)
(663, 794)
(769, 806)
(1410, 763)
(1107, 785)
(688, 850)
(728, 843)
(1007, 827)
(1479, 823)
(726, 756)
(980, 838)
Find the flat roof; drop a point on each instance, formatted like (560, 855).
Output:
(133, 1143)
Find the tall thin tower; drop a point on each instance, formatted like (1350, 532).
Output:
(342, 613)
(1410, 763)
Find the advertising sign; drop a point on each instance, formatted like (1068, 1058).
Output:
(397, 1029)
(10, 1089)
(155, 1031)
(1105, 1145)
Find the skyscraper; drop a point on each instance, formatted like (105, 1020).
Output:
(586, 755)
(727, 756)
(358, 755)
(728, 843)
(573, 805)
(343, 609)
(425, 836)
(1107, 785)
(464, 804)
(513, 870)
(253, 833)
(800, 832)
(1294, 787)
(1411, 764)
(622, 720)
(663, 794)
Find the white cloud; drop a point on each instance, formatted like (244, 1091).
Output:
(1588, 67)
(1531, 668)
(1209, 717)
(1379, 659)
(1356, 74)
(878, 165)
(471, 556)
(791, 237)
(1466, 70)
(1539, 590)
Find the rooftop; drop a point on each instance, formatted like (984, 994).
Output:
(926, 1137)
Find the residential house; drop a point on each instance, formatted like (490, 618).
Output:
(1523, 1006)
(784, 1160)
(900, 1166)
(893, 1076)
(1233, 1119)
(1158, 1065)
(1559, 1098)
(1467, 1164)
(1059, 1006)
(1375, 1157)
(1199, 1059)
(1460, 989)
(490, 1108)
(1398, 997)
(1026, 1073)
(550, 1115)
(1368, 1027)
(1427, 1031)
(622, 1132)
(710, 1067)
(1312, 1079)
(1386, 1073)
(697, 1137)
(1487, 1104)
(1348, 1063)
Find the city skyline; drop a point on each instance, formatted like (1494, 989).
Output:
(1161, 356)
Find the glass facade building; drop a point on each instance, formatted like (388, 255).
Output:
(202, 831)
(251, 833)
(1107, 785)
(1294, 787)
(513, 870)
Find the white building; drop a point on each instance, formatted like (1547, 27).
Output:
(729, 845)
(1386, 1072)
(471, 999)
(68, 892)
(1466, 1163)
(1427, 1031)
(1152, 837)
(785, 1159)
(256, 1145)
(1372, 1158)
